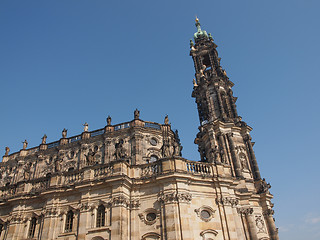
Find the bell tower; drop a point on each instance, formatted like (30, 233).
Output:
(224, 139)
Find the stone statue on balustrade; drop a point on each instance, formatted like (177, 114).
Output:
(108, 121)
(136, 114)
(44, 139)
(85, 127)
(177, 148)
(120, 152)
(7, 151)
(64, 133)
(215, 154)
(25, 144)
(166, 151)
(166, 120)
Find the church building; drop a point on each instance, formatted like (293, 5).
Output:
(129, 181)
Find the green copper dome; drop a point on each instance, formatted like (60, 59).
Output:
(200, 34)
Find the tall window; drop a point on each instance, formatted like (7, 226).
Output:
(32, 228)
(101, 215)
(69, 222)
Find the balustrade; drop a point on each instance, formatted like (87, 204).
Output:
(76, 177)
(97, 132)
(103, 171)
(152, 125)
(199, 168)
(151, 169)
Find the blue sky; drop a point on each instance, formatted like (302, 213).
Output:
(63, 63)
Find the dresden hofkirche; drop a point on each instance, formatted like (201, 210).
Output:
(130, 181)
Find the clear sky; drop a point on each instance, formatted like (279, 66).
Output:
(63, 63)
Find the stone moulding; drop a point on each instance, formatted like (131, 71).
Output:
(174, 197)
(227, 201)
(245, 210)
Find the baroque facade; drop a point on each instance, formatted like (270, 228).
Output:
(129, 180)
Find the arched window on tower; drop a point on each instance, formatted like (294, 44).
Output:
(69, 221)
(101, 216)
(32, 228)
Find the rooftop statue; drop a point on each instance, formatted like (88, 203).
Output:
(86, 127)
(44, 139)
(64, 133)
(25, 144)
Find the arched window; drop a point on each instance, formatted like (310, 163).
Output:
(32, 228)
(69, 221)
(101, 215)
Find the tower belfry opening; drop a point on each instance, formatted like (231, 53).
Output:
(130, 181)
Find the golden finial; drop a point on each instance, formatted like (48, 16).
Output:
(197, 19)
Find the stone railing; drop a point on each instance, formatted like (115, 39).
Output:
(40, 185)
(104, 172)
(151, 169)
(199, 168)
(73, 177)
(68, 140)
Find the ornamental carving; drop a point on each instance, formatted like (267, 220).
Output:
(134, 204)
(263, 186)
(121, 201)
(260, 224)
(227, 201)
(174, 197)
(245, 210)
(84, 206)
(268, 212)
(120, 152)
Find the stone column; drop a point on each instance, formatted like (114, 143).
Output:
(134, 219)
(184, 200)
(48, 227)
(169, 208)
(247, 212)
(236, 162)
(255, 169)
(119, 219)
(12, 228)
(83, 220)
(273, 231)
